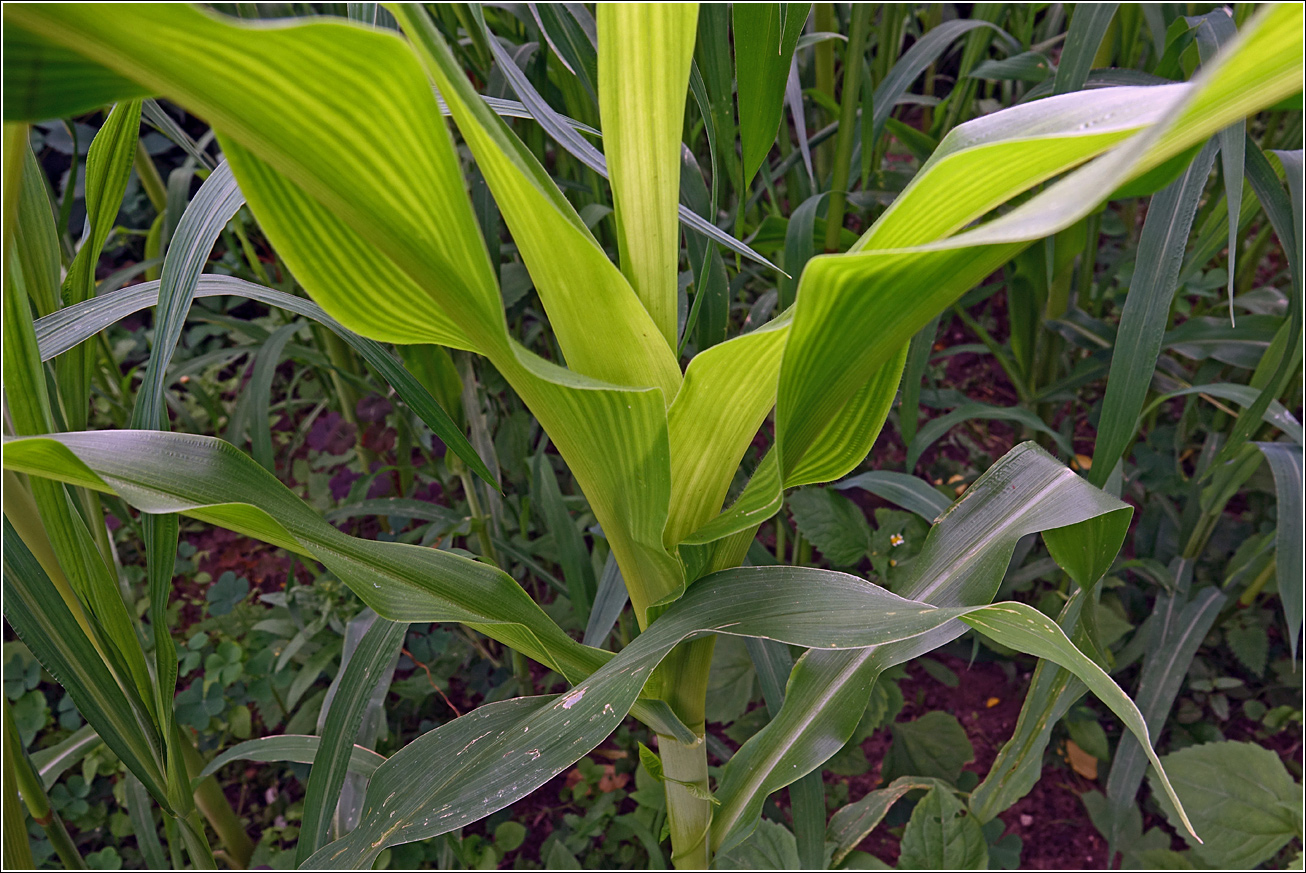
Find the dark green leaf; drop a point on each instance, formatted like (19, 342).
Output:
(1146, 312)
(376, 652)
(1087, 27)
(913, 494)
(934, 746)
(1243, 802)
(942, 835)
(833, 523)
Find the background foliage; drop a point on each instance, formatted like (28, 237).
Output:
(1162, 331)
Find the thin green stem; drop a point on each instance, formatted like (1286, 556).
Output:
(210, 800)
(1248, 597)
(852, 81)
(824, 63)
(479, 518)
(19, 773)
(151, 181)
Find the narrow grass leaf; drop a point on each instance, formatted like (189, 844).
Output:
(141, 811)
(573, 40)
(260, 394)
(854, 822)
(773, 664)
(297, 748)
(911, 493)
(568, 543)
(1087, 28)
(1285, 214)
(610, 600)
(765, 37)
(1286, 464)
(75, 324)
(108, 167)
(36, 241)
(38, 615)
(192, 242)
(50, 763)
(377, 650)
(925, 51)
(935, 428)
(1019, 763)
(1177, 628)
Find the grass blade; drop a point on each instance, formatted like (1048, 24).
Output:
(75, 324)
(773, 664)
(909, 492)
(925, 51)
(108, 167)
(1087, 27)
(765, 37)
(214, 204)
(1179, 626)
(378, 648)
(568, 543)
(1286, 465)
(299, 748)
(608, 604)
(1147, 310)
(141, 811)
(38, 615)
(1215, 30)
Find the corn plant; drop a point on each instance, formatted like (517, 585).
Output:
(333, 135)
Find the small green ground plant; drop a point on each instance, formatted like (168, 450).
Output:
(334, 134)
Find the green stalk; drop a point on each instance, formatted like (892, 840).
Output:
(1248, 597)
(17, 848)
(480, 521)
(689, 814)
(210, 800)
(20, 775)
(151, 181)
(685, 674)
(824, 60)
(852, 81)
(1250, 259)
(251, 256)
(342, 359)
